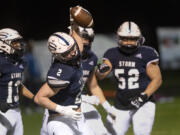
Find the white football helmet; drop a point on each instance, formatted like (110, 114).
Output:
(131, 31)
(7, 39)
(61, 44)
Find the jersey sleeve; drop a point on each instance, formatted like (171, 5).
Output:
(0, 70)
(108, 55)
(24, 63)
(150, 55)
(59, 76)
(3, 65)
(95, 60)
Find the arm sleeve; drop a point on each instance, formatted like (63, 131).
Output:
(150, 55)
(2, 66)
(108, 55)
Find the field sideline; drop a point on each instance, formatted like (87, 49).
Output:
(167, 120)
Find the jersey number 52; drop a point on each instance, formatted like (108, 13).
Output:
(131, 80)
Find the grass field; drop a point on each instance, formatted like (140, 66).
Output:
(167, 120)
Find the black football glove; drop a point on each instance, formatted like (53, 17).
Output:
(4, 107)
(103, 68)
(138, 101)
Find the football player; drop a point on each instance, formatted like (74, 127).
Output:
(11, 68)
(61, 94)
(89, 61)
(138, 76)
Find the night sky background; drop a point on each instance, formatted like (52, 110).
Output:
(36, 19)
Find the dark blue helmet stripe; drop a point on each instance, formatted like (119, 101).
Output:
(61, 38)
(129, 26)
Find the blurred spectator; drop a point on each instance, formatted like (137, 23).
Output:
(32, 77)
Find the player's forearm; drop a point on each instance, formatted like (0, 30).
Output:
(98, 92)
(101, 76)
(25, 92)
(153, 86)
(45, 102)
(105, 104)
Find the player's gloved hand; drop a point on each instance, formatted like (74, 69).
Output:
(138, 101)
(69, 111)
(103, 68)
(109, 109)
(94, 100)
(4, 107)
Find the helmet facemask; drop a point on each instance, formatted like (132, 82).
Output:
(13, 48)
(11, 43)
(69, 56)
(18, 46)
(87, 35)
(128, 45)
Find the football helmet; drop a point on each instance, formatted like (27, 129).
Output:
(129, 31)
(63, 47)
(11, 43)
(86, 34)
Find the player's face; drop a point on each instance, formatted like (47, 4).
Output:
(129, 42)
(72, 53)
(16, 45)
(85, 42)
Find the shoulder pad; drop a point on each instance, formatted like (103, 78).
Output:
(149, 54)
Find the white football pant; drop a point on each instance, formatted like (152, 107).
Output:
(63, 125)
(11, 122)
(142, 120)
(44, 123)
(93, 119)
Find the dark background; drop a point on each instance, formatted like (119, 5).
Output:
(37, 19)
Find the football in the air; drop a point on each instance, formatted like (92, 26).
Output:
(81, 16)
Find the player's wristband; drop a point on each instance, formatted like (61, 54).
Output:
(33, 98)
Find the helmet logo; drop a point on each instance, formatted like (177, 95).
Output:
(52, 47)
(3, 35)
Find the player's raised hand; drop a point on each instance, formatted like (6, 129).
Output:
(69, 111)
(94, 100)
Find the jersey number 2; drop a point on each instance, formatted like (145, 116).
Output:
(132, 80)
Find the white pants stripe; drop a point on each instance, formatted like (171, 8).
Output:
(11, 122)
